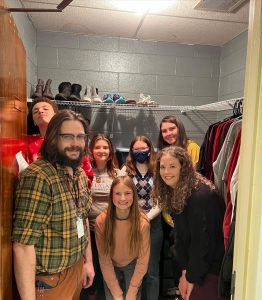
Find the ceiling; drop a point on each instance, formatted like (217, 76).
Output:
(179, 23)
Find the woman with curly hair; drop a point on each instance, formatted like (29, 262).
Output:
(140, 166)
(123, 242)
(198, 213)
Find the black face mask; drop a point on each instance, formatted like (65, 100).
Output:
(141, 157)
(64, 160)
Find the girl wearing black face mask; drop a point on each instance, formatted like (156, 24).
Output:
(140, 165)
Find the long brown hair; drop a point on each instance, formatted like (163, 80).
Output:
(169, 198)
(135, 215)
(49, 149)
(182, 138)
(130, 161)
(111, 163)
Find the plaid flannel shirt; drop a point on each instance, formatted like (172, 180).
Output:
(46, 212)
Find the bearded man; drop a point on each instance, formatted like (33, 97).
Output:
(52, 249)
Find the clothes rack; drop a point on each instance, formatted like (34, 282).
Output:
(123, 121)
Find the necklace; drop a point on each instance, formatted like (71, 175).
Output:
(99, 173)
(142, 168)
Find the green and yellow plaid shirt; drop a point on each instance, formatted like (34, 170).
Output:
(46, 212)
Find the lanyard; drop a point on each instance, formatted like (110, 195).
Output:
(74, 191)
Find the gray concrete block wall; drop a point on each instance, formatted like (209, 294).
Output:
(27, 34)
(156, 68)
(232, 68)
(173, 74)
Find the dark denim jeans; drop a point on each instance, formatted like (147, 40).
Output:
(150, 286)
(97, 288)
(124, 275)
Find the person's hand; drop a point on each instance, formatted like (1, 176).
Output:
(88, 274)
(168, 219)
(119, 298)
(185, 287)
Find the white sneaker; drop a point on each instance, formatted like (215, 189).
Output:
(142, 101)
(94, 96)
(87, 95)
(150, 102)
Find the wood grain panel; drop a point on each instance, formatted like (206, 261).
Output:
(13, 127)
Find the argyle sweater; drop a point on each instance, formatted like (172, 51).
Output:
(144, 186)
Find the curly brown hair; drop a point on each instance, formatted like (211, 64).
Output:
(170, 198)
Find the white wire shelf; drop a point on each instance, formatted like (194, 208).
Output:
(215, 106)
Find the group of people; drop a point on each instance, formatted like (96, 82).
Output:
(86, 228)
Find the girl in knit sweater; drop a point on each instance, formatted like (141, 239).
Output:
(123, 242)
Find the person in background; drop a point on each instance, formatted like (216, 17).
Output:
(51, 244)
(140, 166)
(41, 112)
(198, 213)
(172, 132)
(123, 242)
(105, 170)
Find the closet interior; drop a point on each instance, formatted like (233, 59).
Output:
(120, 122)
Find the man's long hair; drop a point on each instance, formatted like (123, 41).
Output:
(49, 149)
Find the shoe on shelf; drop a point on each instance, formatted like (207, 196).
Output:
(121, 100)
(142, 101)
(150, 102)
(64, 91)
(131, 101)
(87, 94)
(47, 90)
(94, 95)
(75, 95)
(116, 97)
(107, 98)
(39, 89)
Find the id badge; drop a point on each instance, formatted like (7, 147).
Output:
(80, 227)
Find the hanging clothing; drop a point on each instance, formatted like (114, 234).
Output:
(231, 168)
(221, 164)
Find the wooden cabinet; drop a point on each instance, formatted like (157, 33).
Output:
(12, 129)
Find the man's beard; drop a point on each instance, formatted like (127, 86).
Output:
(64, 160)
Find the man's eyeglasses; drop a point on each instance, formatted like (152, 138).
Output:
(70, 137)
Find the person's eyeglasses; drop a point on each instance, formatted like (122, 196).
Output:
(140, 150)
(70, 137)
